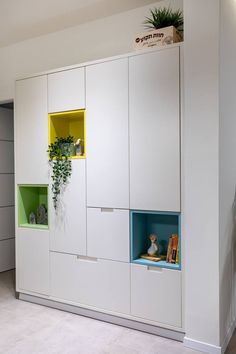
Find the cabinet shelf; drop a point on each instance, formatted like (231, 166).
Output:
(30, 197)
(163, 224)
(34, 226)
(161, 264)
(62, 124)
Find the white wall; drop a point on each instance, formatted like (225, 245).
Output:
(98, 39)
(7, 221)
(227, 165)
(201, 185)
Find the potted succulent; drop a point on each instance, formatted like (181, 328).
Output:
(165, 27)
(59, 153)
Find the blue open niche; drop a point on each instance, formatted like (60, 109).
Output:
(163, 224)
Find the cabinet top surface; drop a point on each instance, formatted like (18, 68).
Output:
(102, 60)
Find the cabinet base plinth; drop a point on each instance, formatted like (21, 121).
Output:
(140, 326)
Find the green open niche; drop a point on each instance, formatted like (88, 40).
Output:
(144, 223)
(30, 197)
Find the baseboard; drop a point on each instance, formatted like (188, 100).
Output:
(229, 335)
(201, 346)
(140, 326)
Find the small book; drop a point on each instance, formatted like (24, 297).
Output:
(177, 256)
(151, 258)
(169, 250)
(175, 241)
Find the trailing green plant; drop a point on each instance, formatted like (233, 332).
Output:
(164, 17)
(61, 166)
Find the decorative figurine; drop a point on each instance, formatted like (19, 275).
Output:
(42, 215)
(153, 249)
(32, 218)
(78, 147)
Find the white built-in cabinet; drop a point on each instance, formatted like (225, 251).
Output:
(107, 134)
(31, 125)
(66, 90)
(132, 163)
(154, 131)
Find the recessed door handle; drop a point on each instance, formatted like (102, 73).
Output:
(107, 210)
(87, 259)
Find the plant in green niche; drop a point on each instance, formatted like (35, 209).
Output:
(59, 153)
(164, 17)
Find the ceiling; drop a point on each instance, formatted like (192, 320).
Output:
(24, 19)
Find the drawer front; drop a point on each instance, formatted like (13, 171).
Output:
(156, 294)
(108, 233)
(94, 282)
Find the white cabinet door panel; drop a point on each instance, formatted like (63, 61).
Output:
(98, 283)
(154, 131)
(68, 224)
(66, 90)
(33, 260)
(31, 125)
(108, 233)
(7, 222)
(156, 294)
(107, 134)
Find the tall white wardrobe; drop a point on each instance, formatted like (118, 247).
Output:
(125, 186)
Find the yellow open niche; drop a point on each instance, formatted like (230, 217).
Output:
(62, 124)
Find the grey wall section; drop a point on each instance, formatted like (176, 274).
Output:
(7, 220)
(109, 36)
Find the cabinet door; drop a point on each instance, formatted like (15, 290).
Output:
(31, 126)
(68, 224)
(93, 282)
(66, 90)
(155, 131)
(156, 294)
(33, 260)
(107, 134)
(108, 233)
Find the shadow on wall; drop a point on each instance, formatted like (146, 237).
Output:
(8, 105)
(228, 294)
